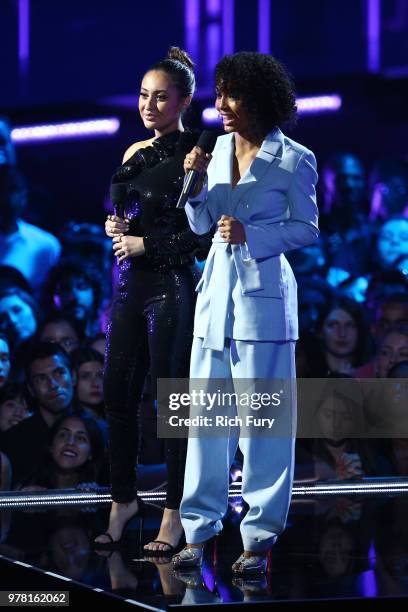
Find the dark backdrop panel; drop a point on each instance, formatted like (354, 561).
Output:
(83, 50)
(9, 82)
(319, 38)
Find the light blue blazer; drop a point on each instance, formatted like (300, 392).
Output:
(248, 291)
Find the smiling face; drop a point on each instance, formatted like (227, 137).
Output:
(340, 333)
(234, 116)
(160, 103)
(71, 445)
(4, 362)
(89, 386)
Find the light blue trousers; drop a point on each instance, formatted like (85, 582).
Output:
(268, 461)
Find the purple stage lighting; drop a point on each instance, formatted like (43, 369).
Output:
(319, 104)
(264, 26)
(23, 31)
(373, 35)
(65, 131)
(310, 105)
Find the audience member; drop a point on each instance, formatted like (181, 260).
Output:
(19, 316)
(24, 246)
(388, 183)
(51, 381)
(62, 329)
(89, 243)
(382, 284)
(392, 242)
(13, 406)
(88, 367)
(342, 219)
(75, 289)
(74, 455)
(343, 332)
(392, 349)
(391, 311)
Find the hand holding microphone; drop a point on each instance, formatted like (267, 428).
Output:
(195, 166)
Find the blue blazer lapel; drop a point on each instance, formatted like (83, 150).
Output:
(271, 149)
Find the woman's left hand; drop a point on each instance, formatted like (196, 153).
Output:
(127, 246)
(231, 230)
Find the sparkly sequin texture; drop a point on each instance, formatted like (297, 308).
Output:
(152, 316)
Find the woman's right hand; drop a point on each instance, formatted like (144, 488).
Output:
(116, 225)
(197, 160)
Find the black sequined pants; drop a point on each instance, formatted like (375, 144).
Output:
(151, 327)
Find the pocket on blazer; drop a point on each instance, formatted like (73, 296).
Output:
(261, 278)
(268, 290)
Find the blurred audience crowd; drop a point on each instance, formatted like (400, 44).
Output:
(55, 294)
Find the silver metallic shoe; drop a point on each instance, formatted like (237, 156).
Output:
(188, 557)
(256, 564)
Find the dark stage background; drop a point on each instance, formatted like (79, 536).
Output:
(85, 59)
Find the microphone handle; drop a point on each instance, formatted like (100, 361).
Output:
(189, 186)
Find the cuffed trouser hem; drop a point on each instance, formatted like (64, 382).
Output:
(202, 535)
(258, 545)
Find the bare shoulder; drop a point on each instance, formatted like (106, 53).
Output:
(134, 147)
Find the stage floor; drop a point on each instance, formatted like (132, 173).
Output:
(337, 545)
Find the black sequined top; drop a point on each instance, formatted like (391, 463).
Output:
(154, 178)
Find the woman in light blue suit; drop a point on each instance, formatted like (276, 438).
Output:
(260, 193)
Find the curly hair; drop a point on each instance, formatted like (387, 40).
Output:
(263, 85)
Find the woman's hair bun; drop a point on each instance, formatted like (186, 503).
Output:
(175, 53)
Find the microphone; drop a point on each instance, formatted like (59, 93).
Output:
(118, 195)
(206, 142)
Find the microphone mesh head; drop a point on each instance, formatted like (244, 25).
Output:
(207, 141)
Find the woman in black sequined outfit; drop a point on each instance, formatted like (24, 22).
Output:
(152, 317)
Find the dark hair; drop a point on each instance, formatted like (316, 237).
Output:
(88, 242)
(61, 317)
(85, 355)
(13, 391)
(13, 291)
(263, 85)
(11, 277)
(399, 370)
(43, 350)
(364, 344)
(393, 298)
(384, 283)
(401, 329)
(79, 268)
(47, 474)
(179, 66)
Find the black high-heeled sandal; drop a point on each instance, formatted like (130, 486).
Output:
(168, 552)
(116, 544)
